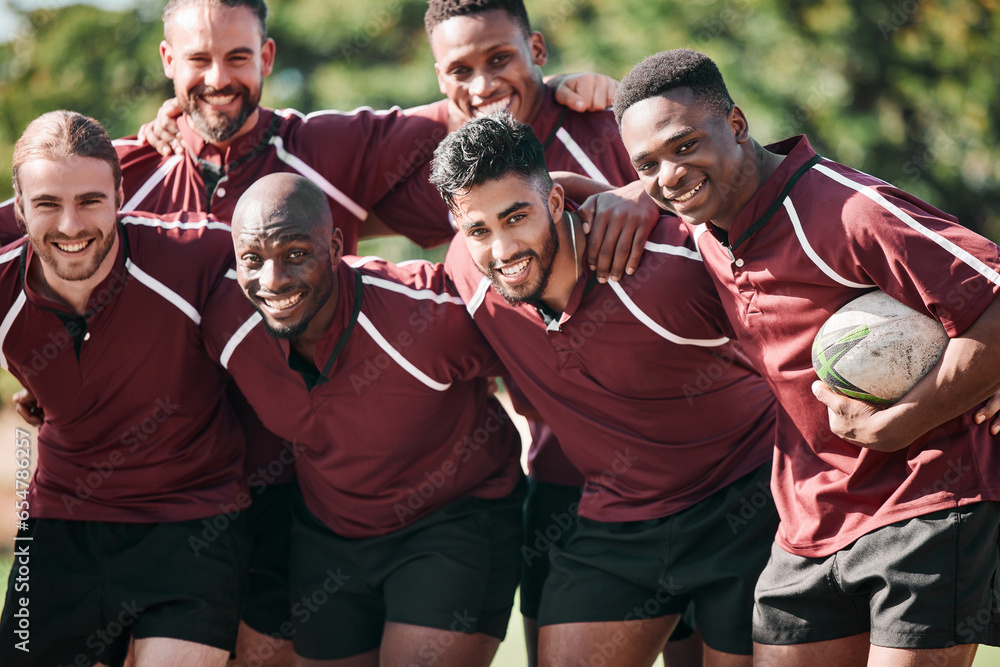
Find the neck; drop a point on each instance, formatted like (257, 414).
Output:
(567, 266)
(306, 344)
(764, 163)
(75, 294)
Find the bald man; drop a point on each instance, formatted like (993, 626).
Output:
(405, 534)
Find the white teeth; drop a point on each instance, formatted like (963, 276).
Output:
(687, 195)
(72, 247)
(514, 269)
(281, 304)
(218, 100)
(499, 105)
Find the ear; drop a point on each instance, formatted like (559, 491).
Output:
(440, 77)
(267, 56)
(738, 123)
(336, 246)
(167, 56)
(557, 201)
(119, 198)
(539, 52)
(19, 213)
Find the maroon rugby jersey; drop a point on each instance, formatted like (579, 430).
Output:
(355, 158)
(814, 237)
(395, 421)
(638, 379)
(583, 143)
(136, 428)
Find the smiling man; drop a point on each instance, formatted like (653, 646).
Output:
(406, 532)
(888, 546)
(630, 376)
(139, 450)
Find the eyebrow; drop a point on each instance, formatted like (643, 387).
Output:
(78, 198)
(676, 136)
(240, 50)
(513, 207)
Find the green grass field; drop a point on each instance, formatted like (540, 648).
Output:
(511, 653)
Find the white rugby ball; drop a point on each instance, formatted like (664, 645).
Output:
(875, 348)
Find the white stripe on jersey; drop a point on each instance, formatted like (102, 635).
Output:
(285, 113)
(164, 291)
(361, 261)
(581, 157)
(151, 183)
(419, 295)
(400, 359)
(977, 264)
(679, 251)
(175, 224)
(6, 201)
(657, 329)
(231, 274)
(10, 255)
(804, 242)
(478, 297)
(8, 322)
(127, 142)
(241, 333)
(326, 186)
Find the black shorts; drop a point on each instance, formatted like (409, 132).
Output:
(91, 585)
(549, 513)
(455, 569)
(926, 582)
(270, 518)
(710, 554)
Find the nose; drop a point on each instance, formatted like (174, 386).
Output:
(483, 84)
(217, 76)
(273, 277)
(504, 247)
(670, 174)
(71, 223)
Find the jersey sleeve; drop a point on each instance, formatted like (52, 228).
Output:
(416, 210)
(10, 230)
(912, 251)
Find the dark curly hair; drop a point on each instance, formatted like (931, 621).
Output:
(439, 11)
(667, 70)
(487, 149)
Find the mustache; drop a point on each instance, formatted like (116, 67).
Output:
(513, 259)
(208, 90)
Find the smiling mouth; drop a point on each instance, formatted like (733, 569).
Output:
(690, 193)
(514, 270)
(281, 304)
(73, 247)
(500, 105)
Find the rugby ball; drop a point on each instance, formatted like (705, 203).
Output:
(875, 348)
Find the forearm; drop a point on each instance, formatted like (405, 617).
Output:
(578, 188)
(967, 374)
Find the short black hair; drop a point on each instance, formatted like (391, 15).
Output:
(667, 70)
(439, 11)
(258, 7)
(488, 148)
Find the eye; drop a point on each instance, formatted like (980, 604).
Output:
(646, 167)
(500, 59)
(477, 232)
(297, 254)
(517, 217)
(249, 259)
(687, 146)
(239, 60)
(459, 72)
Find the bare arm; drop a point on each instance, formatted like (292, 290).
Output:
(967, 374)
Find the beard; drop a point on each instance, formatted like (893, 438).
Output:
(219, 127)
(316, 297)
(66, 269)
(526, 293)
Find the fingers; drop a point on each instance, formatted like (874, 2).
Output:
(573, 92)
(163, 134)
(988, 410)
(614, 245)
(826, 396)
(27, 407)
